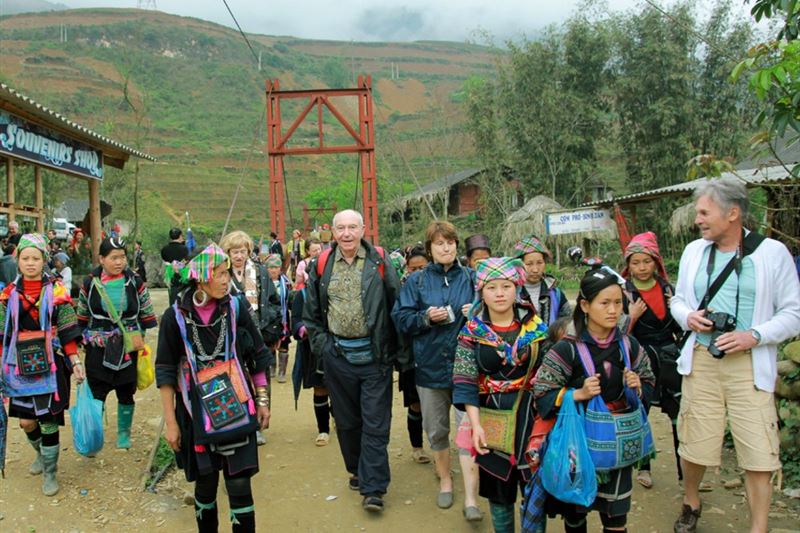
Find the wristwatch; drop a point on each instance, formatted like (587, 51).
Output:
(756, 335)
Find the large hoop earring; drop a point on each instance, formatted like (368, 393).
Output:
(201, 303)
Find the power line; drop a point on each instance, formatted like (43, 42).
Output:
(713, 46)
(246, 40)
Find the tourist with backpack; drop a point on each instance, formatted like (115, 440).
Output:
(429, 313)
(349, 297)
(211, 371)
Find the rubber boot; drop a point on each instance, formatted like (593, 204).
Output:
(49, 468)
(37, 466)
(283, 360)
(124, 421)
(502, 518)
(206, 516)
(243, 520)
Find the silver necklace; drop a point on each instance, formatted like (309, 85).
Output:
(200, 353)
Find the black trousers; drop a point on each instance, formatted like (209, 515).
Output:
(361, 398)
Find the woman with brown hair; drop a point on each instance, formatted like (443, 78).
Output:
(429, 311)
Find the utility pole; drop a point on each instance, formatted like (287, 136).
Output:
(259, 60)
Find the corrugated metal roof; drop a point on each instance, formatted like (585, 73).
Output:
(754, 177)
(28, 104)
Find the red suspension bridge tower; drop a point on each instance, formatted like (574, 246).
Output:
(363, 143)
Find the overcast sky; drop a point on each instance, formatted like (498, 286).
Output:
(398, 20)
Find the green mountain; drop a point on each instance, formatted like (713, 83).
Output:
(196, 100)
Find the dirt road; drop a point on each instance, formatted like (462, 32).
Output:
(304, 488)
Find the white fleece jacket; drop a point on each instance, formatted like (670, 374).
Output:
(776, 315)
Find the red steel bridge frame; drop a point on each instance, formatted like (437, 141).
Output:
(364, 144)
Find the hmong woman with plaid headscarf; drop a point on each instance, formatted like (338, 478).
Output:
(601, 360)
(211, 370)
(40, 351)
(541, 288)
(114, 310)
(494, 366)
(647, 291)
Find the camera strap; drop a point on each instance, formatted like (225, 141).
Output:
(747, 245)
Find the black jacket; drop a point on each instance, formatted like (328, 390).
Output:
(378, 297)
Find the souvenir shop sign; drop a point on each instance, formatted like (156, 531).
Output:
(24, 140)
(584, 220)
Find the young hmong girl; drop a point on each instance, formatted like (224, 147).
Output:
(495, 359)
(40, 350)
(114, 310)
(597, 337)
(648, 292)
(209, 353)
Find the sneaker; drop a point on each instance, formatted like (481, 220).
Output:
(472, 514)
(373, 504)
(322, 439)
(352, 483)
(687, 521)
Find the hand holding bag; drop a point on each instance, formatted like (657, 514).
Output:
(615, 440)
(568, 473)
(87, 422)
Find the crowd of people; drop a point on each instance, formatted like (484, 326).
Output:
(490, 339)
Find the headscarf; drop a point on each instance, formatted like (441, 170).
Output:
(399, 263)
(201, 268)
(529, 245)
(61, 256)
(645, 243)
(273, 261)
(494, 268)
(32, 240)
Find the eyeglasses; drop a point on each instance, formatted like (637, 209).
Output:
(351, 228)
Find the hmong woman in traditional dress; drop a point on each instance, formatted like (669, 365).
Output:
(114, 310)
(40, 350)
(540, 288)
(250, 280)
(211, 370)
(598, 309)
(494, 366)
(647, 291)
(283, 286)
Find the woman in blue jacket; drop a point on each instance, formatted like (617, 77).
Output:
(430, 313)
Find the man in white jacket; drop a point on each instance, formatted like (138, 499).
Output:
(762, 293)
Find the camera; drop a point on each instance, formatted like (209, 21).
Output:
(721, 323)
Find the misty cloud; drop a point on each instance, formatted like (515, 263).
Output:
(391, 23)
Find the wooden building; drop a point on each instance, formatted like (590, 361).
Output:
(31, 134)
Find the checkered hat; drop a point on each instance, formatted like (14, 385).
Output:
(273, 260)
(494, 268)
(529, 245)
(32, 240)
(201, 268)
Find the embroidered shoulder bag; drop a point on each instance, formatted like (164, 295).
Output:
(615, 440)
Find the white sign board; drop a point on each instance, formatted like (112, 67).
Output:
(584, 220)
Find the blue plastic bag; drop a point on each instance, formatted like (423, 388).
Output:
(87, 422)
(567, 470)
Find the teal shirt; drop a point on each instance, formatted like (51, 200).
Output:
(116, 293)
(725, 299)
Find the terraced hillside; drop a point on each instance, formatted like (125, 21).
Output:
(199, 101)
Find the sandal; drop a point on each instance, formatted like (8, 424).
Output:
(322, 439)
(645, 479)
(420, 457)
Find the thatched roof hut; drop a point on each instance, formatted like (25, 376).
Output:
(682, 219)
(531, 219)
